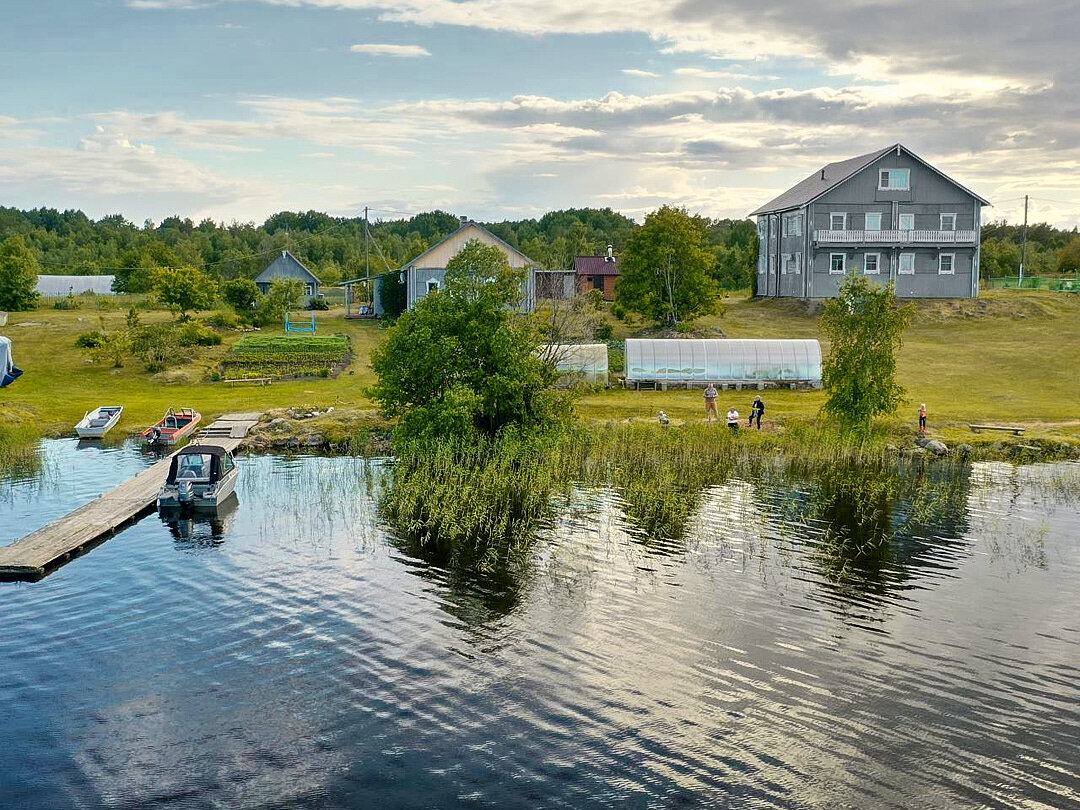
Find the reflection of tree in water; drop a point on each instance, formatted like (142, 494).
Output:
(200, 530)
(873, 529)
(476, 586)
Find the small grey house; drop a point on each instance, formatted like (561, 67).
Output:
(59, 286)
(288, 266)
(889, 215)
(427, 272)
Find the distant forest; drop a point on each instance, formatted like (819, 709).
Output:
(70, 243)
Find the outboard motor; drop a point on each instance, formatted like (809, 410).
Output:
(185, 493)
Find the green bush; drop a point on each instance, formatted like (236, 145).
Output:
(318, 303)
(685, 327)
(193, 333)
(603, 331)
(90, 340)
(67, 302)
(223, 320)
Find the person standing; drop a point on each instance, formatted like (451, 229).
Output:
(922, 417)
(733, 420)
(710, 404)
(756, 410)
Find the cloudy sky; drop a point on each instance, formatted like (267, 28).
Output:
(235, 109)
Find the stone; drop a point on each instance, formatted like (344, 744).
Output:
(937, 448)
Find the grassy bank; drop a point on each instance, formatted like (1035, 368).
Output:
(1008, 357)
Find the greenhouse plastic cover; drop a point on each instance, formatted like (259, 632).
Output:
(56, 286)
(724, 360)
(589, 359)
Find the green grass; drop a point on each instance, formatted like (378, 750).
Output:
(60, 384)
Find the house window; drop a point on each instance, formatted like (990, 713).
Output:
(907, 222)
(894, 179)
(791, 225)
(838, 221)
(873, 221)
(872, 263)
(836, 263)
(948, 222)
(309, 289)
(598, 283)
(792, 263)
(907, 264)
(772, 264)
(946, 264)
(772, 227)
(433, 285)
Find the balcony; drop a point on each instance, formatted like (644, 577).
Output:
(896, 237)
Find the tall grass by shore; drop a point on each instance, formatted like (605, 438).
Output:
(487, 498)
(18, 451)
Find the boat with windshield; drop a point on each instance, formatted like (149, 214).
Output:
(200, 476)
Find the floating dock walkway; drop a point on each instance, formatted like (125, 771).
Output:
(38, 553)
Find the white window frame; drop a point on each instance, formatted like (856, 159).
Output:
(772, 264)
(941, 264)
(433, 285)
(888, 178)
(843, 220)
(772, 225)
(798, 263)
(877, 264)
(900, 271)
(952, 223)
(791, 224)
(900, 222)
(843, 264)
(866, 221)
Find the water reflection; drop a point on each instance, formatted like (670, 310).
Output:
(203, 529)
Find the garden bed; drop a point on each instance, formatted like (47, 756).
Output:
(286, 356)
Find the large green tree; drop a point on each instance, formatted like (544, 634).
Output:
(462, 361)
(864, 327)
(665, 268)
(18, 275)
(186, 289)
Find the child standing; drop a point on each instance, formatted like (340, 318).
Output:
(922, 417)
(710, 403)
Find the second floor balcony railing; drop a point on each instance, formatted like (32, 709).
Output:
(896, 237)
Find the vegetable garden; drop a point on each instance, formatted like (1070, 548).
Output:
(282, 356)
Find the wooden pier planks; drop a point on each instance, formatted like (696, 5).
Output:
(36, 553)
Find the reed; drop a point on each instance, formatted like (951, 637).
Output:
(18, 451)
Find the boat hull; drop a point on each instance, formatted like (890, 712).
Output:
(173, 427)
(99, 422)
(170, 498)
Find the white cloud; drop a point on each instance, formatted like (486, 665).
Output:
(400, 51)
(645, 74)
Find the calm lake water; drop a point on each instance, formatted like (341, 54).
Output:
(294, 653)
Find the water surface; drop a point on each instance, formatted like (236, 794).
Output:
(294, 652)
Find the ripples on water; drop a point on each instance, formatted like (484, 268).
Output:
(294, 653)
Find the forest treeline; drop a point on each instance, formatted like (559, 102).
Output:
(70, 243)
(334, 248)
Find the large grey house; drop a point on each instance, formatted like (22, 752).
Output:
(288, 266)
(889, 215)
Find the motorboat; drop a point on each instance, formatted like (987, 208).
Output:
(173, 426)
(98, 422)
(200, 476)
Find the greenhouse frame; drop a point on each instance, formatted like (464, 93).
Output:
(694, 363)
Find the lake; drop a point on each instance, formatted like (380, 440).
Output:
(790, 648)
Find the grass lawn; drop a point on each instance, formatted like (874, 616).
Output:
(1009, 357)
(60, 384)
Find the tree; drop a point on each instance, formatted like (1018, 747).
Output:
(241, 294)
(284, 294)
(392, 294)
(185, 290)
(1069, 257)
(864, 327)
(665, 268)
(18, 275)
(462, 361)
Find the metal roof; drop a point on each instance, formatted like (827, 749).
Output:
(833, 174)
(595, 266)
(57, 286)
(285, 266)
(471, 224)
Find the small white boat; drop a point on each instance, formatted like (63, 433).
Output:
(99, 421)
(201, 476)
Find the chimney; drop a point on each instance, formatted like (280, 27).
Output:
(823, 174)
(610, 257)
(464, 220)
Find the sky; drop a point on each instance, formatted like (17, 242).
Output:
(505, 109)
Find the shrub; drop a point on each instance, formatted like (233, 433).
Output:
(684, 327)
(223, 320)
(67, 302)
(90, 340)
(603, 331)
(318, 303)
(193, 333)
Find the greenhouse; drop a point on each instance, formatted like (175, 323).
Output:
(726, 362)
(587, 361)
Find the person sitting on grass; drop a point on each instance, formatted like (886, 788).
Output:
(733, 420)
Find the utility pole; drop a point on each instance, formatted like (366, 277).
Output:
(367, 267)
(1023, 245)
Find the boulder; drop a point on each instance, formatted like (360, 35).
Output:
(937, 448)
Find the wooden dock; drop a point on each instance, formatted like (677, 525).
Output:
(39, 552)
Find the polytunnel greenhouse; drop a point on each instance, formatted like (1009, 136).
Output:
(588, 361)
(725, 362)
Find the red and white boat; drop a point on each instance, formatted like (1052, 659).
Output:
(173, 426)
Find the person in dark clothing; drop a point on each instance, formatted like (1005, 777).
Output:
(756, 410)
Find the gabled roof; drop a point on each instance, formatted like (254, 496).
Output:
(52, 286)
(464, 226)
(836, 173)
(286, 266)
(596, 266)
